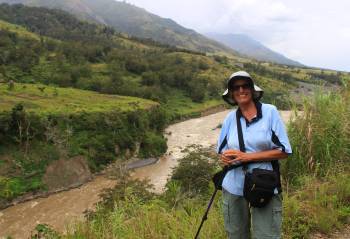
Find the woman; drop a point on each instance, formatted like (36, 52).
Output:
(265, 140)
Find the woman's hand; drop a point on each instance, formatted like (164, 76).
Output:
(225, 160)
(232, 156)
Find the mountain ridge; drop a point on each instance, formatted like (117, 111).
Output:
(135, 21)
(249, 47)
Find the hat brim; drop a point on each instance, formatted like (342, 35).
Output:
(257, 94)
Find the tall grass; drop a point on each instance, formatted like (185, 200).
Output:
(321, 206)
(152, 220)
(320, 137)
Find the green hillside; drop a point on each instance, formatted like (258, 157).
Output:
(43, 99)
(21, 31)
(40, 124)
(134, 21)
(69, 53)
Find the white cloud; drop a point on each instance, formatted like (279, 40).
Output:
(314, 32)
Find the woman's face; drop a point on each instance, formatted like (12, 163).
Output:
(242, 92)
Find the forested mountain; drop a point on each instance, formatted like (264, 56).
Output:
(249, 47)
(132, 20)
(54, 47)
(78, 54)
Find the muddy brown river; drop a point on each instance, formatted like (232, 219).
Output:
(62, 209)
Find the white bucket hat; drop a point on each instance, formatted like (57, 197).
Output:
(227, 96)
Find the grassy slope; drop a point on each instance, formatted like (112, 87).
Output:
(178, 102)
(66, 100)
(21, 31)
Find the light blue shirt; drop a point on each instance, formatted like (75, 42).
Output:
(265, 132)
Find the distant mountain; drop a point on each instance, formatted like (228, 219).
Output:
(132, 20)
(247, 46)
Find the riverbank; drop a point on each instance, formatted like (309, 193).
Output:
(20, 219)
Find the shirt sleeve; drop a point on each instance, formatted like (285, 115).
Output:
(279, 135)
(222, 141)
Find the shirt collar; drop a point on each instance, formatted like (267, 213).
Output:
(258, 106)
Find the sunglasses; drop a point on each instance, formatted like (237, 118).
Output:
(245, 86)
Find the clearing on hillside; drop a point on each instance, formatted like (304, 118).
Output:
(47, 99)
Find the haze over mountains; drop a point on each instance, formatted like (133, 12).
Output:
(252, 48)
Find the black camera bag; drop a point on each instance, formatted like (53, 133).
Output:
(259, 186)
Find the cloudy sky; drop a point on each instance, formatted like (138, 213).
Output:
(313, 32)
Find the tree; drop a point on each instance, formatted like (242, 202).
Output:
(136, 65)
(149, 78)
(194, 172)
(197, 88)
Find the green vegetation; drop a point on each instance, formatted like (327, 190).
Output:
(133, 21)
(324, 129)
(21, 31)
(40, 124)
(43, 99)
(316, 199)
(70, 53)
(317, 205)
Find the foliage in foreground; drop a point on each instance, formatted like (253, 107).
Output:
(320, 205)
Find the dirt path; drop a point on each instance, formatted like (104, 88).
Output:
(60, 209)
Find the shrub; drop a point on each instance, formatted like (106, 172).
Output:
(43, 231)
(194, 172)
(152, 145)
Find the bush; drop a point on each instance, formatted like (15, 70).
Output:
(194, 172)
(152, 145)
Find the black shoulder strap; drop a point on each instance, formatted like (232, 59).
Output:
(223, 144)
(240, 135)
(240, 138)
(239, 131)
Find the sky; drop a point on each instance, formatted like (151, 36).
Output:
(313, 32)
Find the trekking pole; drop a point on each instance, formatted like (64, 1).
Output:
(205, 216)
